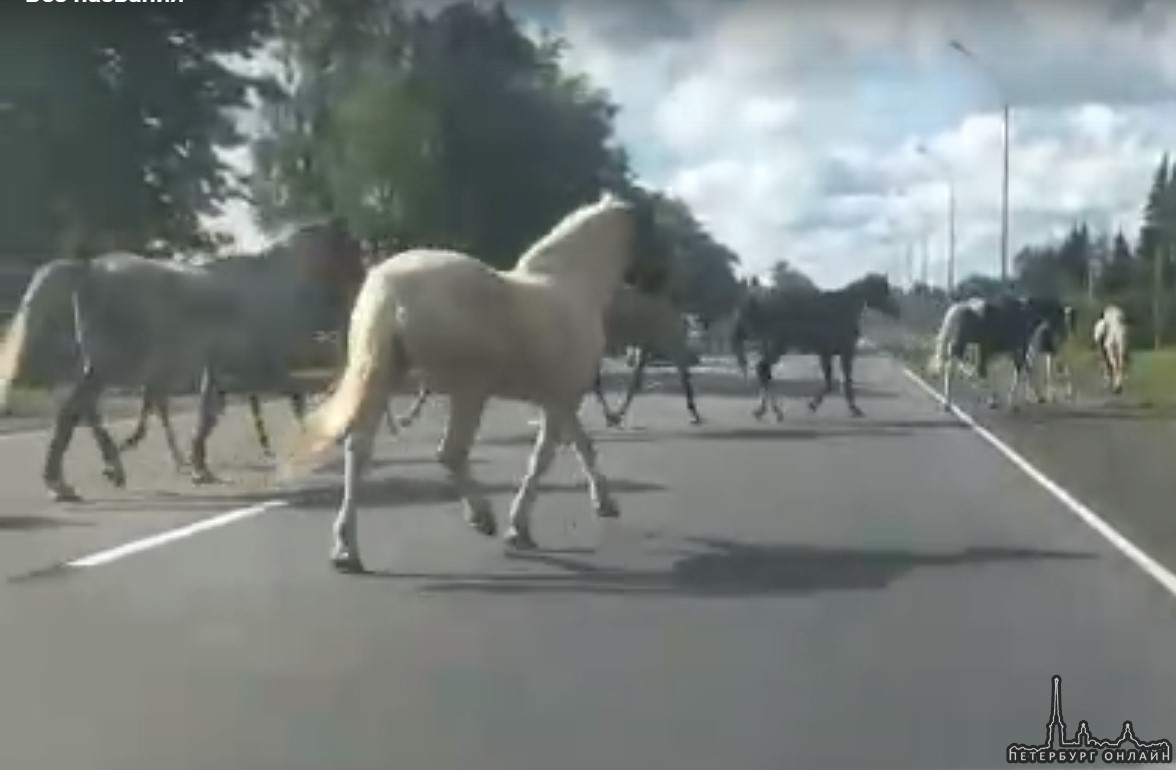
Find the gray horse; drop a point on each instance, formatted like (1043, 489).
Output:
(158, 323)
(655, 326)
(636, 319)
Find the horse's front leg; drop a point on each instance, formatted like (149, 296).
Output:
(847, 357)
(415, 410)
(519, 534)
(211, 403)
(1020, 374)
(985, 375)
(357, 455)
(763, 374)
(610, 419)
(948, 379)
(688, 388)
(636, 384)
(826, 361)
(465, 417)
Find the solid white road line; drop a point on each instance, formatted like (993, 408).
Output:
(163, 538)
(1153, 568)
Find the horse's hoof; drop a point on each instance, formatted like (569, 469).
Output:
(608, 509)
(483, 522)
(779, 417)
(521, 539)
(812, 405)
(696, 420)
(855, 412)
(204, 477)
(758, 414)
(116, 476)
(347, 563)
(64, 493)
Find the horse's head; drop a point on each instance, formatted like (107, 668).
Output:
(877, 295)
(333, 260)
(1058, 316)
(596, 244)
(744, 321)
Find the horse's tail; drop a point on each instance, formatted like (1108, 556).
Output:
(49, 287)
(359, 393)
(949, 329)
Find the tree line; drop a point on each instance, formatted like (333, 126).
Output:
(449, 128)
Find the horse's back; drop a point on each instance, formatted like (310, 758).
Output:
(450, 307)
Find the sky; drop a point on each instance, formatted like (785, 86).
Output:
(828, 133)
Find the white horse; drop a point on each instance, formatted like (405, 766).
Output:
(155, 322)
(533, 334)
(1110, 337)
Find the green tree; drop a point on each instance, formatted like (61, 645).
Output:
(452, 129)
(112, 121)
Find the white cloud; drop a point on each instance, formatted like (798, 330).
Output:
(786, 124)
(790, 126)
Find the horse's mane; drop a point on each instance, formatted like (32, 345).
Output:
(539, 257)
(277, 248)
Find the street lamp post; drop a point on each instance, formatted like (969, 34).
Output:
(949, 177)
(1004, 187)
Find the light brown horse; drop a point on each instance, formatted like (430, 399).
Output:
(533, 334)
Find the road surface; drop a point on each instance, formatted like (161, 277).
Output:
(887, 592)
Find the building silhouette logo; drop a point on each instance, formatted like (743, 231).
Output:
(1084, 748)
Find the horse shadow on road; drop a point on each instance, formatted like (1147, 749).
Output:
(753, 431)
(720, 568)
(36, 523)
(710, 385)
(400, 491)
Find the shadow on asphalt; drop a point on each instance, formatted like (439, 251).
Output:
(708, 385)
(387, 492)
(761, 431)
(34, 523)
(728, 569)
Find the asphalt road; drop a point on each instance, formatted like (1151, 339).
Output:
(829, 592)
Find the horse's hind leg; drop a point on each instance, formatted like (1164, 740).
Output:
(78, 406)
(163, 409)
(357, 454)
(140, 432)
(827, 373)
(519, 534)
(259, 425)
(465, 417)
(636, 384)
(598, 486)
